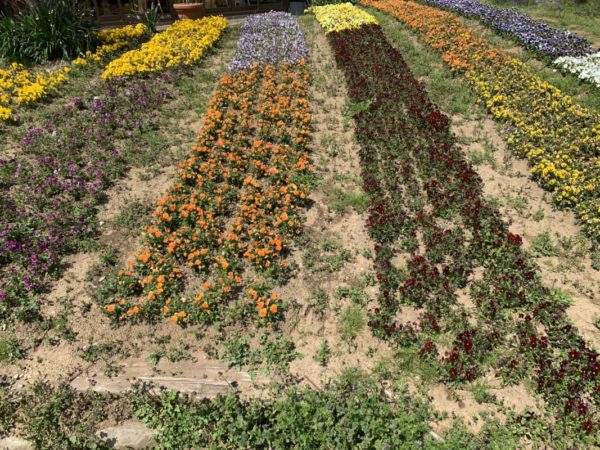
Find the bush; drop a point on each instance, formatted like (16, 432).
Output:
(46, 30)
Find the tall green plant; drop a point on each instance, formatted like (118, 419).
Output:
(47, 30)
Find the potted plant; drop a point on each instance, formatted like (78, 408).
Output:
(189, 9)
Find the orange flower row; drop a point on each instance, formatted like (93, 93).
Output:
(230, 217)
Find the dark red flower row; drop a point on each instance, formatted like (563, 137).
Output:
(427, 205)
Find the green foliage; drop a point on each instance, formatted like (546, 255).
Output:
(133, 217)
(8, 411)
(150, 16)
(351, 413)
(274, 352)
(318, 300)
(324, 353)
(10, 350)
(538, 215)
(47, 30)
(351, 323)
(542, 245)
(357, 200)
(61, 419)
(176, 353)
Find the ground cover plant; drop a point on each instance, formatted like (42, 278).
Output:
(52, 187)
(407, 150)
(558, 137)
(352, 412)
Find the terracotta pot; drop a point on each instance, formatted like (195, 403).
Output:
(188, 10)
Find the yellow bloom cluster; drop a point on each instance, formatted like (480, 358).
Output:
(560, 139)
(339, 17)
(126, 33)
(20, 86)
(183, 43)
(113, 40)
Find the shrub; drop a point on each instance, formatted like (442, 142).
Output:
(47, 30)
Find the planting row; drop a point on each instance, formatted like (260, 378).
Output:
(269, 39)
(19, 86)
(112, 40)
(560, 139)
(182, 44)
(437, 242)
(223, 230)
(51, 187)
(534, 35)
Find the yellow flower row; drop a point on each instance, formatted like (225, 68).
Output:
(20, 86)
(339, 17)
(126, 33)
(113, 40)
(183, 43)
(560, 138)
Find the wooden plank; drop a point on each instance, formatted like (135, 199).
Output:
(206, 378)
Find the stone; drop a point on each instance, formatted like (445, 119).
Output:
(128, 435)
(15, 443)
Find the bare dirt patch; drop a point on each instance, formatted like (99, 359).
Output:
(330, 288)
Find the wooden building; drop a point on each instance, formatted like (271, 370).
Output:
(124, 11)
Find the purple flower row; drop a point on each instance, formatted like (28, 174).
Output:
(269, 38)
(50, 189)
(532, 34)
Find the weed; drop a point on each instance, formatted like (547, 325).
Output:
(542, 245)
(324, 353)
(10, 350)
(539, 215)
(357, 200)
(351, 323)
(318, 300)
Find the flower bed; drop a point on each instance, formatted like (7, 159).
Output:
(51, 188)
(339, 17)
(269, 39)
(427, 207)
(18, 86)
(182, 44)
(534, 35)
(228, 221)
(560, 139)
(113, 40)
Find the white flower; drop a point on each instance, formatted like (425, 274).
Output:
(587, 68)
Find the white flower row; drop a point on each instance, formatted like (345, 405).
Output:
(587, 67)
